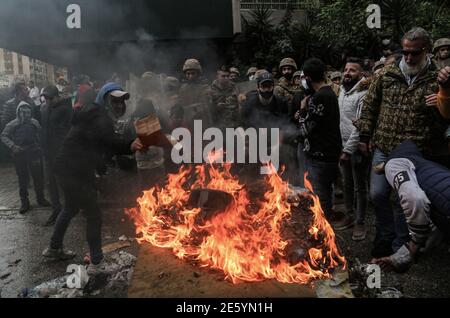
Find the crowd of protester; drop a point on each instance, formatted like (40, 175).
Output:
(381, 127)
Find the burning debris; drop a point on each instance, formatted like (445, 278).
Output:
(259, 231)
(112, 281)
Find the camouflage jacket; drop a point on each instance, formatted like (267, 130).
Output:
(442, 63)
(393, 112)
(286, 90)
(193, 92)
(224, 105)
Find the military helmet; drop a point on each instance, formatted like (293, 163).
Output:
(148, 75)
(252, 70)
(440, 43)
(335, 75)
(288, 62)
(298, 73)
(234, 70)
(260, 73)
(171, 83)
(192, 64)
(377, 65)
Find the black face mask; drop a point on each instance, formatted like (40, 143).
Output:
(119, 110)
(266, 95)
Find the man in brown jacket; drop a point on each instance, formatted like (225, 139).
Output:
(394, 110)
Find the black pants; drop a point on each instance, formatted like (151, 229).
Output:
(53, 188)
(26, 165)
(80, 194)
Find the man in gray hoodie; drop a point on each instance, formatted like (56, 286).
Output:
(354, 166)
(21, 136)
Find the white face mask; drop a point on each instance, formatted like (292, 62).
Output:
(305, 84)
(386, 42)
(251, 77)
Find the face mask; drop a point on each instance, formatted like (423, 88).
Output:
(119, 109)
(266, 95)
(386, 42)
(305, 84)
(251, 77)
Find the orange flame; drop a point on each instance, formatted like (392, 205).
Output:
(244, 244)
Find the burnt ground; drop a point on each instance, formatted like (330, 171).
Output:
(23, 238)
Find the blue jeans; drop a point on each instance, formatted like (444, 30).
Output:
(390, 220)
(322, 175)
(355, 173)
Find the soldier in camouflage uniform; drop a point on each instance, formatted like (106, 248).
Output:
(441, 51)
(395, 110)
(284, 88)
(223, 95)
(251, 73)
(193, 95)
(297, 80)
(235, 75)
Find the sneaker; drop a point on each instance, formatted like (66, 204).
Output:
(58, 254)
(25, 206)
(340, 221)
(96, 269)
(359, 232)
(43, 202)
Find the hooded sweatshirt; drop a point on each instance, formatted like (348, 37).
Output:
(91, 135)
(18, 133)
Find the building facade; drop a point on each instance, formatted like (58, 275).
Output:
(15, 66)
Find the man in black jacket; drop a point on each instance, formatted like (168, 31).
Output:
(92, 134)
(319, 127)
(56, 115)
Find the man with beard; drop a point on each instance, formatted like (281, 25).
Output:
(284, 88)
(441, 52)
(394, 110)
(354, 166)
(223, 95)
(263, 107)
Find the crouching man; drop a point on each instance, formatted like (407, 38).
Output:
(422, 187)
(91, 135)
